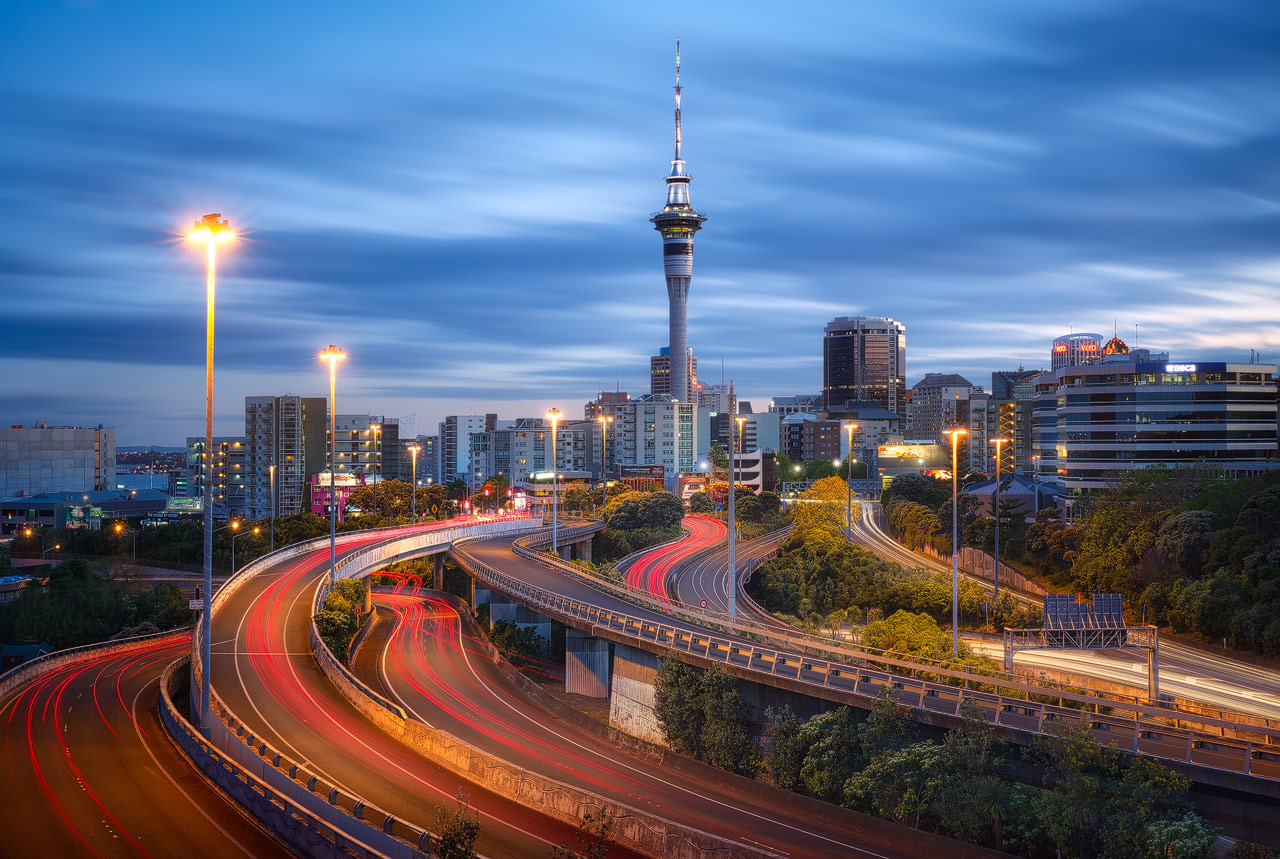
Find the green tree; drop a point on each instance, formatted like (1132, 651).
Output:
(456, 830)
(783, 747)
(678, 705)
(726, 740)
(770, 502)
(900, 785)
(700, 502)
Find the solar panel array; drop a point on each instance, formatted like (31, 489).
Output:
(1061, 611)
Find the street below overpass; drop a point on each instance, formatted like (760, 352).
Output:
(432, 663)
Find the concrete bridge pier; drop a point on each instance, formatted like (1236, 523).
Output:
(501, 608)
(480, 595)
(527, 618)
(586, 664)
(437, 571)
(368, 595)
(631, 693)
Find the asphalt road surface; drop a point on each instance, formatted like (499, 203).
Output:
(89, 770)
(431, 662)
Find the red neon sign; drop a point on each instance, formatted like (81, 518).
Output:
(1061, 347)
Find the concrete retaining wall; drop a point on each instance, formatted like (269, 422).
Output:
(632, 827)
(632, 693)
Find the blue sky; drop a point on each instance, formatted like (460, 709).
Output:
(458, 194)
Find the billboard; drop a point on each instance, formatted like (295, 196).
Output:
(184, 505)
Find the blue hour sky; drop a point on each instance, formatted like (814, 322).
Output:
(458, 194)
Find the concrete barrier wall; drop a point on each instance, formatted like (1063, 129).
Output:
(632, 827)
(310, 825)
(20, 675)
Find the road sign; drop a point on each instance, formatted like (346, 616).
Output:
(703, 603)
(195, 605)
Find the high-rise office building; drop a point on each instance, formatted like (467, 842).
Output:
(660, 375)
(428, 460)
(291, 433)
(362, 449)
(1099, 421)
(1075, 350)
(677, 223)
(42, 458)
(864, 358)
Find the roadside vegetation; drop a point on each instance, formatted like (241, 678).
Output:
(81, 604)
(636, 520)
(1190, 549)
(1065, 796)
(340, 616)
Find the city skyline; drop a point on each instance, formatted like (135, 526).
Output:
(990, 179)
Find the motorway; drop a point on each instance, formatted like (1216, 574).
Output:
(703, 581)
(263, 670)
(90, 771)
(431, 663)
(648, 573)
(1185, 672)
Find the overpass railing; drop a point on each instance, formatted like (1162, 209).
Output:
(20, 675)
(1161, 729)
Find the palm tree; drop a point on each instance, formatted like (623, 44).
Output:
(993, 798)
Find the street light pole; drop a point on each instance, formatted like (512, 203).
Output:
(554, 417)
(604, 420)
(996, 593)
(120, 529)
(848, 483)
(733, 530)
(413, 490)
(212, 230)
(271, 470)
(333, 355)
(955, 539)
(377, 453)
(234, 536)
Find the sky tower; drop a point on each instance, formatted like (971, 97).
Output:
(677, 222)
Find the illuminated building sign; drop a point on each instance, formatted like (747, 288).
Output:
(1088, 347)
(1179, 368)
(1061, 347)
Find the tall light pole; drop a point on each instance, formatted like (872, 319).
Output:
(604, 420)
(996, 510)
(848, 483)
(376, 428)
(1035, 481)
(733, 530)
(413, 490)
(955, 539)
(212, 230)
(554, 416)
(333, 355)
(271, 470)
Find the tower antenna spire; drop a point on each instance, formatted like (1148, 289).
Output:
(679, 130)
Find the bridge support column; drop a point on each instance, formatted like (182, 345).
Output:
(479, 595)
(437, 571)
(501, 608)
(527, 618)
(582, 550)
(631, 693)
(368, 595)
(586, 664)
(566, 552)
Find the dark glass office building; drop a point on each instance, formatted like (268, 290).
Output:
(864, 358)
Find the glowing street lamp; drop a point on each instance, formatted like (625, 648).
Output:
(955, 538)
(604, 420)
(996, 511)
(213, 230)
(554, 416)
(413, 491)
(848, 482)
(120, 529)
(333, 355)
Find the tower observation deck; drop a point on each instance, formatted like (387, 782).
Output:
(676, 223)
